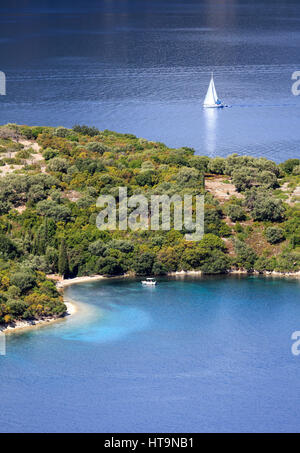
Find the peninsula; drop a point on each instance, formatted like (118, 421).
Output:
(50, 179)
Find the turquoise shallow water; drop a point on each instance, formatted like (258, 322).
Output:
(194, 355)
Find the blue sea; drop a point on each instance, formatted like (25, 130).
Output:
(190, 355)
(143, 67)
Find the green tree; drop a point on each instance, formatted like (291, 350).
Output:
(168, 259)
(144, 263)
(23, 280)
(268, 209)
(236, 212)
(63, 263)
(217, 165)
(246, 256)
(216, 263)
(58, 164)
(146, 178)
(289, 165)
(97, 248)
(97, 147)
(7, 248)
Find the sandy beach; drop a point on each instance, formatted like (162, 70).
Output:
(72, 281)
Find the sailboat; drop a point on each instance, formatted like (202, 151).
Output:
(211, 99)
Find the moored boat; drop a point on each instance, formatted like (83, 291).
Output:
(149, 282)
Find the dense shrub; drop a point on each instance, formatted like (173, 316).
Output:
(144, 263)
(62, 132)
(265, 264)
(50, 153)
(85, 130)
(23, 280)
(97, 147)
(268, 209)
(274, 234)
(51, 209)
(200, 163)
(216, 263)
(8, 249)
(246, 256)
(236, 212)
(289, 165)
(296, 170)
(146, 178)
(97, 248)
(217, 165)
(58, 164)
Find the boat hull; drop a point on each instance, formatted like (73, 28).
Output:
(221, 106)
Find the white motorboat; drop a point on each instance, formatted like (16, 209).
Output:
(149, 282)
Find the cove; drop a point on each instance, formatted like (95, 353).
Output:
(191, 355)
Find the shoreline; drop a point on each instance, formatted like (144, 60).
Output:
(27, 325)
(73, 281)
(72, 307)
(61, 284)
(266, 273)
(237, 272)
(85, 279)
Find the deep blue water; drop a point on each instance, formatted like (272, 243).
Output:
(143, 66)
(194, 355)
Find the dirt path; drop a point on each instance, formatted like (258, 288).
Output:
(220, 189)
(293, 195)
(33, 159)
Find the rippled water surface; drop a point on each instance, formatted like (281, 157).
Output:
(144, 66)
(210, 354)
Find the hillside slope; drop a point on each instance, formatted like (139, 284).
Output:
(50, 179)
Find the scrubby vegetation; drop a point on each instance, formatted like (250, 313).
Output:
(26, 294)
(48, 213)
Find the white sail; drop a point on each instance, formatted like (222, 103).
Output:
(211, 98)
(214, 90)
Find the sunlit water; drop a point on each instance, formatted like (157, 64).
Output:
(144, 67)
(195, 355)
